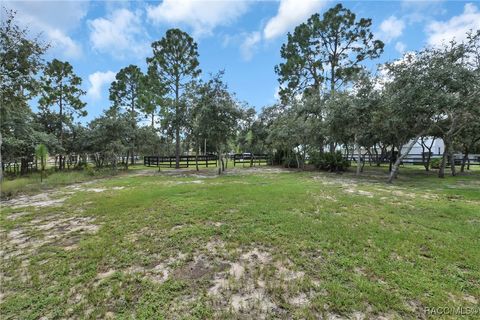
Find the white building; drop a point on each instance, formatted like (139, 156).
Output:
(437, 146)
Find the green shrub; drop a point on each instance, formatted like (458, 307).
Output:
(89, 171)
(289, 161)
(329, 161)
(435, 163)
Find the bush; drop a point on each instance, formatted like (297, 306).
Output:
(435, 163)
(330, 161)
(89, 171)
(290, 161)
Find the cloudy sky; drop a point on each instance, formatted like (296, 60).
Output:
(242, 37)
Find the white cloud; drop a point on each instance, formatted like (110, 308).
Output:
(456, 28)
(43, 17)
(290, 14)
(391, 28)
(97, 82)
(59, 40)
(249, 45)
(400, 47)
(202, 16)
(62, 15)
(120, 34)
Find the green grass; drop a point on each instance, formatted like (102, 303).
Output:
(32, 183)
(332, 245)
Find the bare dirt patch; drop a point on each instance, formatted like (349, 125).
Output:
(16, 215)
(470, 299)
(58, 230)
(300, 300)
(38, 201)
(159, 271)
(367, 194)
(257, 170)
(188, 182)
(200, 267)
(243, 288)
(54, 198)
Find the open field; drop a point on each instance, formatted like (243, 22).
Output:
(254, 243)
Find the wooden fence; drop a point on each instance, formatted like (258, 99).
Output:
(250, 159)
(185, 161)
(416, 159)
(14, 167)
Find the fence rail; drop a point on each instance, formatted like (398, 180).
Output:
(15, 167)
(250, 159)
(185, 161)
(417, 159)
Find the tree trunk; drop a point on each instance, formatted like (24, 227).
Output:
(219, 162)
(429, 158)
(423, 154)
(304, 157)
(359, 160)
(383, 154)
(443, 164)
(377, 157)
(60, 104)
(392, 153)
(452, 163)
(395, 167)
(464, 160)
(347, 153)
(23, 166)
(196, 161)
(322, 144)
(177, 126)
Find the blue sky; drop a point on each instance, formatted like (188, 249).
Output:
(242, 37)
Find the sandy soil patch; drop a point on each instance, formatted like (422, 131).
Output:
(300, 300)
(243, 288)
(16, 215)
(65, 232)
(39, 201)
(160, 271)
(54, 198)
(201, 266)
(359, 192)
(188, 182)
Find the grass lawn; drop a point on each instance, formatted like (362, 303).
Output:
(254, 243)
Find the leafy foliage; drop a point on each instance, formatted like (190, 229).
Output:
(325, 52)
(333, 162)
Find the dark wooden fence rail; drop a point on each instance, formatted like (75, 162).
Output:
(14, 167)
(416, 159)
(250, 159)
(185, 161)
